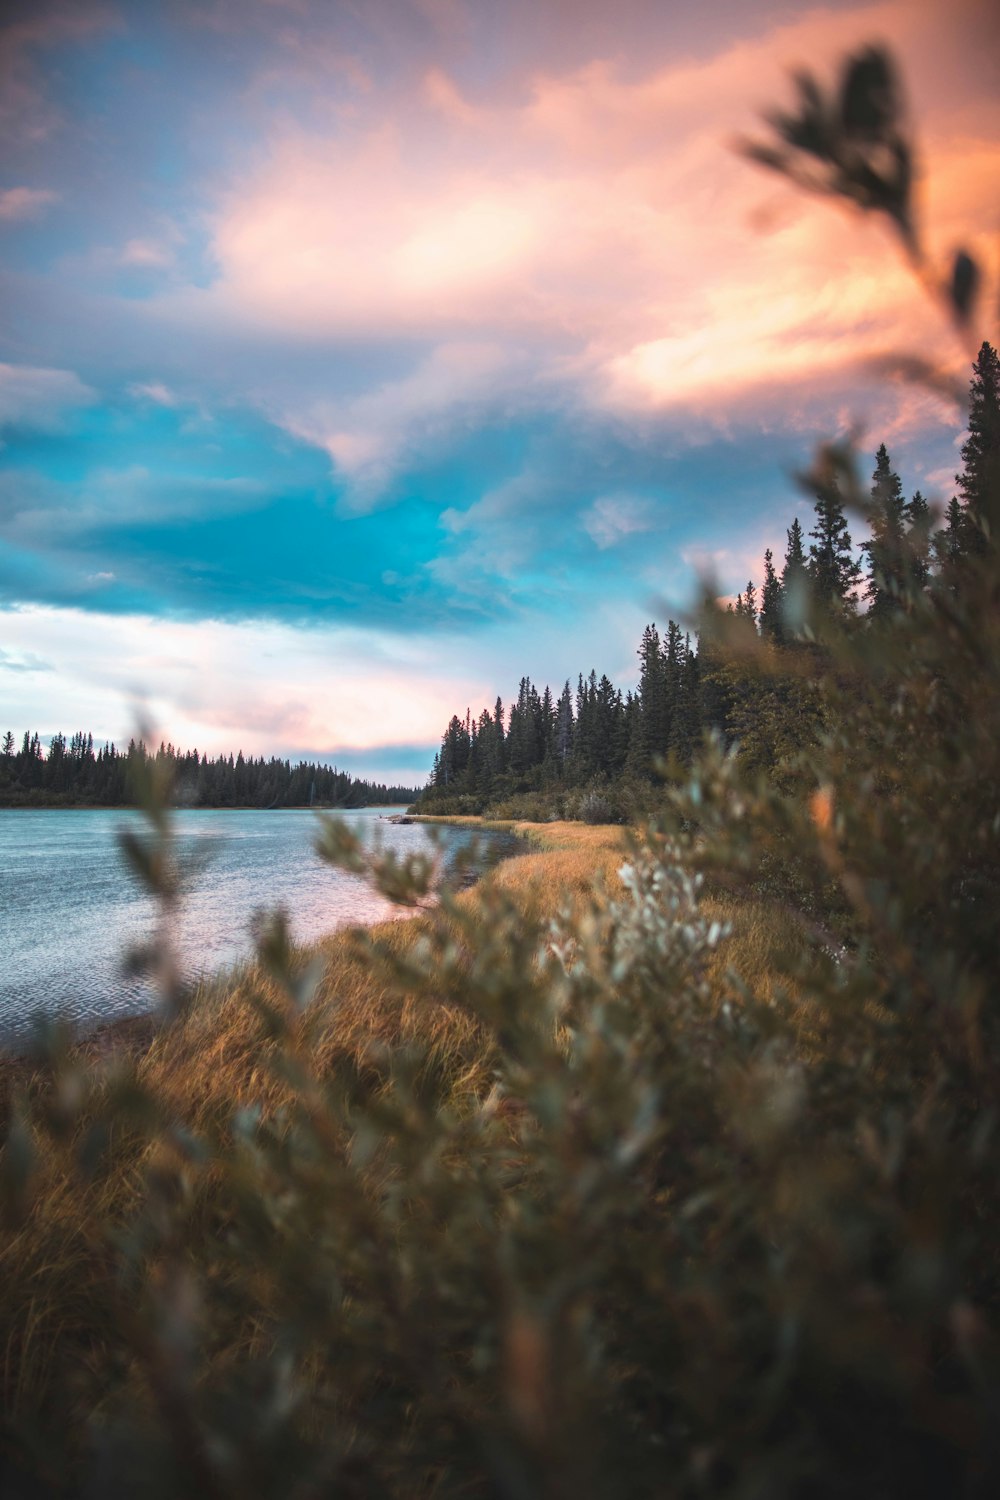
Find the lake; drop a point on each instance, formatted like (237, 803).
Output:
(70, 908)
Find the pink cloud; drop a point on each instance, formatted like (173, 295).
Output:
(147, 254)
(594, 224)
(191, 679)
(25, 202)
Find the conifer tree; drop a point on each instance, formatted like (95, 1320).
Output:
(794, 580)
(652, 697)
(684, 722)
(918, 539)
(564, 724)
(949, 542)
(833, 568)
(885, 550)
(979, 481)
(672, 648)
(771, 601)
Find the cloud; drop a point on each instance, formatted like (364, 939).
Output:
(28, 113)
(612, 518)
(35, 511)
(589, 228)
(414, 248)
(40, 399)
(147, 254)
(28, 662)
(155, 391)
(370, 437)
(25, 202)
(192, 678)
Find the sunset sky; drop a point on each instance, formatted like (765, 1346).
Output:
(357, 358)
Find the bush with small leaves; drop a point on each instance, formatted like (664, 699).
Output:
(563, 1209)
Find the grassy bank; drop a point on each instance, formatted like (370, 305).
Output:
(134, 1091)
(214, 1058)
(240, 1047)
(569, 860)
(456, 1196)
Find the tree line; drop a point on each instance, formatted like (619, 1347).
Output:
(751, 677)
(73, 773)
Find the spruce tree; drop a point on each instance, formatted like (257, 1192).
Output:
(979, 481)
(771, 601)
(684, 723)
(833, 568)
(885, 549)
(794, 580)
(652, 697)
(918, 539)
(564, 724)
(952, 542)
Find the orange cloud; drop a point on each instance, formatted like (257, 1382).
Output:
(596, 223)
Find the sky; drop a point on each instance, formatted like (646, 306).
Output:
(358, 358)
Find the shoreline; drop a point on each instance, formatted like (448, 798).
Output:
(203, 807)
(134, 1033)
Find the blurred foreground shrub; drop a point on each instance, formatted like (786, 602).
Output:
(593, 1225)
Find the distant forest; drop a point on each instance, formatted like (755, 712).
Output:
(598, 753)
(73, 773)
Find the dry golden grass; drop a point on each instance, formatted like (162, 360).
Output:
(571, 858)
(217, 1058)
(214, 1059)
(757, 933)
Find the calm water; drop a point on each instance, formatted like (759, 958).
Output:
(70, 909)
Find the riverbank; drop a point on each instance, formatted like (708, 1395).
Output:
(73, 908)
(50, 805)
(556, 866)
(272, 1136)
(207, 1056)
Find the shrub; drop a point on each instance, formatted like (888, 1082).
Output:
(569, 1216)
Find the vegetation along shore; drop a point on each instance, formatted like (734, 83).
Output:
(663, 1161)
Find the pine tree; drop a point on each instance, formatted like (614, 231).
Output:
(652, 698)
(794, 581)
(885, 549)
(771, 602)
(833, 568)
(564, 724)
(979, 481)
(918, 539)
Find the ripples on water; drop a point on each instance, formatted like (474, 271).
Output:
(70, 910)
